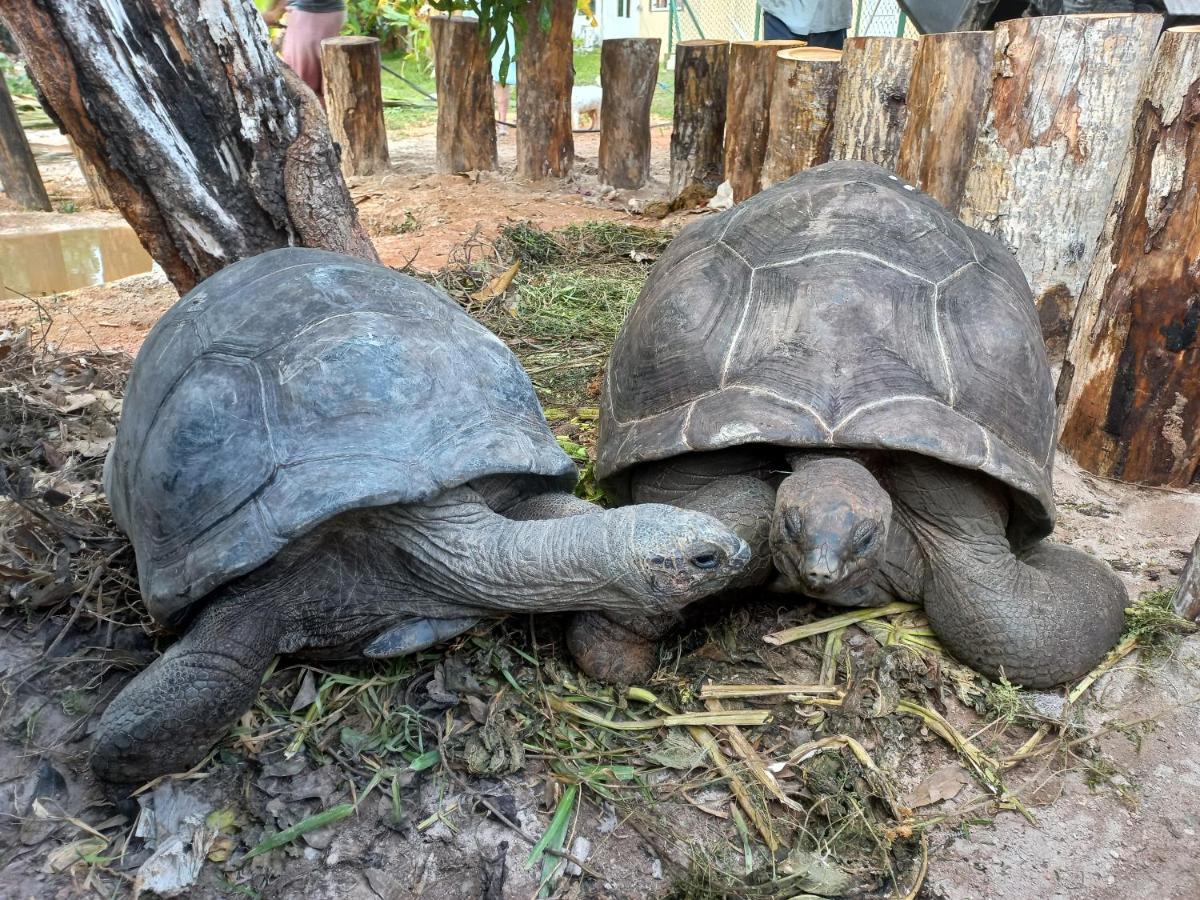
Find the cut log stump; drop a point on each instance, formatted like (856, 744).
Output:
(872, 100)
(1130, 385)
(18, 170)
(698, 128)
(354, 102)
(748, 111)
(947, 98)
(1055, 134)
(628, 76)
(466, 108)
(545, 145)
(800, 131)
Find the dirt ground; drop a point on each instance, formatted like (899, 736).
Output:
(1124, 824)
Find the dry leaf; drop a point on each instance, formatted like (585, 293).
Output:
(66, 857)
(944, 784)
(497, 285)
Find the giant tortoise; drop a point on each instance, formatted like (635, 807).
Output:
(321, 456)
(842, 338)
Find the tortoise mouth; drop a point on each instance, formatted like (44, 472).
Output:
(817, 574)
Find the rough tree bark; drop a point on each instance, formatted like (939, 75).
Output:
(748, 112)
(210, 148)
(948, 95)
(1056, 130)
(354, 102)
(1130, 386)
(94, 183)
(872, 100)
(18, 171)
(698, 130)
(628, 76)
(800, 132)
(545, 145)
(466, 122)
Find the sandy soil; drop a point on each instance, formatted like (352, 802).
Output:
(1131, 836)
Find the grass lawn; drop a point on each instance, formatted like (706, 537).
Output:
(413, 110)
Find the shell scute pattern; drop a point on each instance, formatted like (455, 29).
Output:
(871, 319)
(304, 384)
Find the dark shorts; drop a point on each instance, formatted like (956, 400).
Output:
(775, 30)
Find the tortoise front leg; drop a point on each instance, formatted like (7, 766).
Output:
(170, 715)
(731, 487)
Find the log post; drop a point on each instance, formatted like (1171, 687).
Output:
(947, 98)
(466, 109)
(18, 170)
(354, 102)
(212, 151)
(698, 129)
(748, 111)
(1056, 130)
(872, 100)
(92, 178)
(545, 145)
(628, 76)
(1130, 385)
(800, 131)
(1187, 595)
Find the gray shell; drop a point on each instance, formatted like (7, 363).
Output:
(293, 386)
(841, 308)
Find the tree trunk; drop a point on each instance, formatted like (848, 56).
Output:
(354, 102)
(1187, 595)
(18, 171)
(872, 100)
(698, 130)
(1056, 130)
(950, 87)
(466, 123)
(545, 145)
(748, 112)
(92, 178)
(1130, 386)
(628, 76)
(802, 104)
(210, 148)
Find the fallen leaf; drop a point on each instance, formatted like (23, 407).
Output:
(497, 285)
(66, 857)
(944, 784)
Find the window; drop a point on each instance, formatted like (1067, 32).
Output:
(659, 5)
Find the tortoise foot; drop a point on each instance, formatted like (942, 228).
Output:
(610, 652)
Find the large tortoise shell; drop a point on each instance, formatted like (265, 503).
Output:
(841, 308)
(293, 386)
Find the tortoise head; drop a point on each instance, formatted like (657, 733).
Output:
(829, 533)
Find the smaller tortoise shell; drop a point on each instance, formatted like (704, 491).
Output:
(841, 308)
(295, 385)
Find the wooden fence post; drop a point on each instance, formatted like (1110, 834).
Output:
(872, 101)
(18, 171)
(545, 145)
(748, 112)
(354, 102)
(1056, 131)
(698, 130)
(1130, 385)
(628, 76)
(466, 109)
(802, 109)
(947, 99)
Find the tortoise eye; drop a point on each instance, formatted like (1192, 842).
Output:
(706, 561)
(864, 535)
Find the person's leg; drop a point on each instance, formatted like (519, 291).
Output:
(302, 44)
(774, 29)
(833, 40)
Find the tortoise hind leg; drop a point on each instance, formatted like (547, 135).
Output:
(731, 487)
(1042, 617)
(170, 715)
